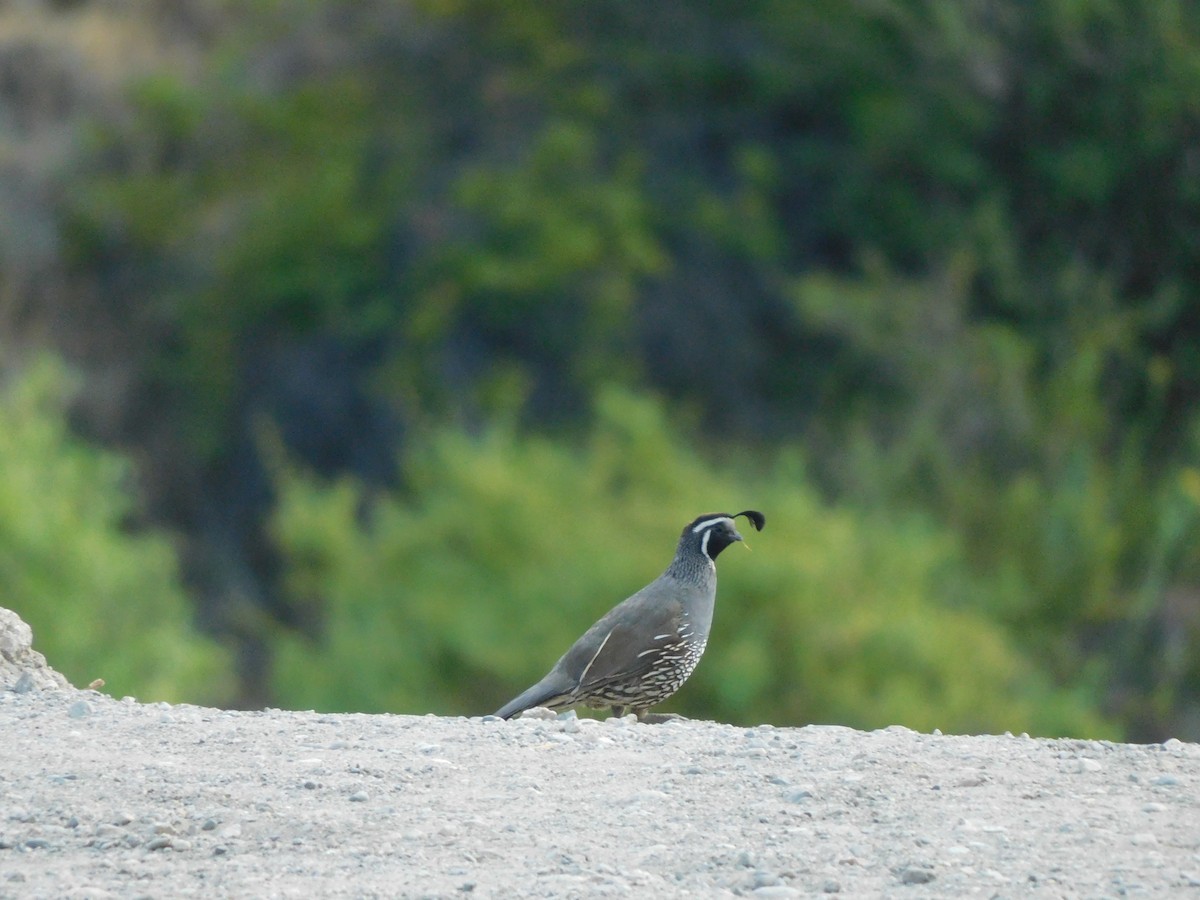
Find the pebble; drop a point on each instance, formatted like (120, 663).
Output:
(621, 721)
(1165, 781)
(831, 887)
(359, 797)
(80, 709)
(1143, 839)
(765, 879)
(775, 890)
(1089, 765)
(916, 875)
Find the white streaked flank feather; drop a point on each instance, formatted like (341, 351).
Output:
(599, 650)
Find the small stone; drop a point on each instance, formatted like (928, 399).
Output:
(1153, 807)
(359, 797)
(775, 890)
(765, 879)
(1165, 781)
(1143, 839)
(916, 875)
(539, 713)
(159, 843)
(122, 819)
(621, 721)
(25, 683)
(181, 844)
(803, 795)
(209, 825)
(80, 709)
(310, 785)
(693, 770)
(831, 887)
(37, 844)
(1089, 765)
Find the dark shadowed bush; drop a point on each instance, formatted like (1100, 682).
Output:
(103, 601)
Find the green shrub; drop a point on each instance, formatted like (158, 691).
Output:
(456, 593)
(102, 602)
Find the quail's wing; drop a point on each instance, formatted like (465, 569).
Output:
(628, 640)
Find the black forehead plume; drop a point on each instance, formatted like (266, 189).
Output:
(757, 519)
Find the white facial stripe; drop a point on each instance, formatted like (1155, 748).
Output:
(704, 543)
(709, 523)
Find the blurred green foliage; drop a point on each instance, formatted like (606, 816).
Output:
(103, 601)
(463, 590)
(925, 276)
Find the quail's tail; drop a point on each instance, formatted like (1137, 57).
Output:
(541, 694)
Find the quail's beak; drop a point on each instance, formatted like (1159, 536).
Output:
(738, 537)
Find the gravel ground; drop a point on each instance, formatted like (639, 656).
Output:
(100, 797)
(113, 798)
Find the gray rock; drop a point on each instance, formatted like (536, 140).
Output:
(22, 668)
(916, 875)
(80, 709)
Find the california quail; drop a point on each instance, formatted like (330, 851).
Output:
(644, 649)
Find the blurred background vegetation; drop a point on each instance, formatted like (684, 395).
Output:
(356, 355)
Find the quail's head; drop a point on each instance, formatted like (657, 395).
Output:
(717, 531)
